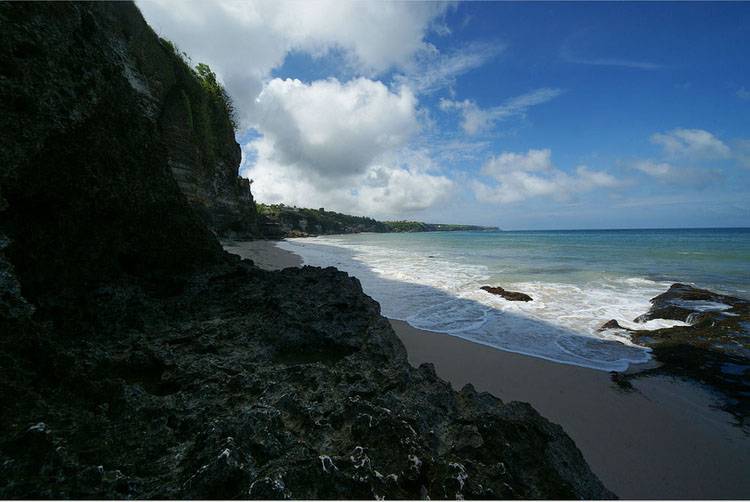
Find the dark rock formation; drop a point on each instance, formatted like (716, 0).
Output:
(682, 302)
(611, 324)
(84, 166)
(621, 381)
(713, 349)
(512, 296)
(248, 385)
(138, 360)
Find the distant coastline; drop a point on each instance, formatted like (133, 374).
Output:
(279, 220)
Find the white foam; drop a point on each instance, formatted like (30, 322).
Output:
(442, 293)
(701, 305)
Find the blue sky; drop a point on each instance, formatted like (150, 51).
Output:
(520, 115)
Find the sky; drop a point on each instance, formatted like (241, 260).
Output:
(517, 115)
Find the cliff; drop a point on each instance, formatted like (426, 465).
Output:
(97, 138)
(139, 360)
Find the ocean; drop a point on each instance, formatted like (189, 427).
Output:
(578, 281)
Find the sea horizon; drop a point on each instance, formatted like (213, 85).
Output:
(591, 229)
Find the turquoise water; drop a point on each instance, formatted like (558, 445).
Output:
(578, 279)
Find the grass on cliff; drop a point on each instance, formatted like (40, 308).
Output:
(210, 110)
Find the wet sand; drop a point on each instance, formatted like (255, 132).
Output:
(665, 440)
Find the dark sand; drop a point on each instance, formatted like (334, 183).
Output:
(666, 440)
(265, 254)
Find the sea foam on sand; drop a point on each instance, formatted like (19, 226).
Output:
(434, 293)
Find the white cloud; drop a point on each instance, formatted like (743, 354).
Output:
(522, 176)
(387, 188)
(244, 41)
(533, 160)
(625, 63)
(400, 190)
(431, 70)
(691, 144)
(656, 169)
(569, 56)
(476, 119)
(743, 93)
(676, 174)
(334, 129)
(343, 146)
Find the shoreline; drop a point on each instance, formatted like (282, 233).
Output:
(666, 439)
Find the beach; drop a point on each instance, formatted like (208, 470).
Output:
(265, 254)
(663, 440)
(666, 439)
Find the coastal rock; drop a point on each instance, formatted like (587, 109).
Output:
(155, 365)
(85, 168)
(247, 385)
(714, 348)
(611, 324)
(512, 296)
(682, 302)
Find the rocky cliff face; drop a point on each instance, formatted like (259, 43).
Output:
(138, 360)
(100, 162)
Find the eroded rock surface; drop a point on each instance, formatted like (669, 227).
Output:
(248, 383)
(715, 346)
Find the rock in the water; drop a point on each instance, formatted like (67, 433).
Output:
(611, 324)
(512, 296)
(682, 302)
(715, 346)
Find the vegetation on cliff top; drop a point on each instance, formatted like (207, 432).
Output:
(211, 112)
(297, 221)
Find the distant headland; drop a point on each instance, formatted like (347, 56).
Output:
(279, 220)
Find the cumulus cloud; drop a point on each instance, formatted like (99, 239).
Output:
(391, 186)
(692, 144)
(341, 145)
(333, 129)
(521, 176)
(533, 160)
(476, 119)
(244, 41)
